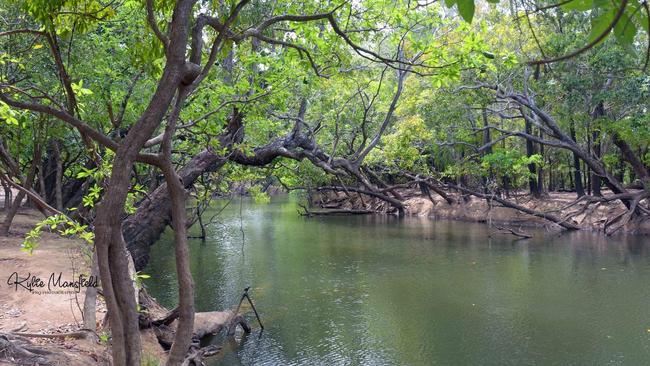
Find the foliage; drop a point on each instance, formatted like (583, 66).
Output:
(61, 225)
(405, 148)
(259, 196)
(510, 164)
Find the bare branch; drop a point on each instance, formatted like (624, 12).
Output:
(151, 19)
(21, 31)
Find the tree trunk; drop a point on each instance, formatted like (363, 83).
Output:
(58, 195)
(530, 150)
(551, 177)
(8, 196)
(628, 155)
(27, 183)
(580, 191)
(540, 170)
(110, 244)
(143, 228)
(595, 179)
(89, 312)
(487, 140)
(114, 270)
(571, 182)
(41, 182)
(183, 336)
(599, 112)
(11, 213)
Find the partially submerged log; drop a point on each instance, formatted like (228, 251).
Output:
(164, 323)
(205, 324)
(213, 322)
(196, 355)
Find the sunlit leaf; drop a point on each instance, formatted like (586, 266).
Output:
(466, 9)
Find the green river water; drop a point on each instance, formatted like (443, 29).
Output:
(378, 290)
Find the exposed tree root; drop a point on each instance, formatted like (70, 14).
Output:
(80, 334)
(547, 216)
(20, 351)
(562, 216)
(623, 219)
(397, 204)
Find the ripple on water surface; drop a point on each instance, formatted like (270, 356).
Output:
(376, 290)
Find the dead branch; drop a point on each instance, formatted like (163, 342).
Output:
(341, 211)
(518, 233)
(80, 334)
(557, 220)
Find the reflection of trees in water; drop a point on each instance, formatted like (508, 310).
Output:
(597, 250)
(355, 290)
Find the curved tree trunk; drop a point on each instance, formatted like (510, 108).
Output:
(580, 191)
(143, 228)
(8, 196)
(183, 335)
(27, 183)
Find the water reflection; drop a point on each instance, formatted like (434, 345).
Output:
(377, 290)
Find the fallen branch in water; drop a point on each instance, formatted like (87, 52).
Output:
(557, 220)
(340, 211)
(163, 322)
(518, 233)
(196, 355)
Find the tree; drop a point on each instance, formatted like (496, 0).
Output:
(353, 96)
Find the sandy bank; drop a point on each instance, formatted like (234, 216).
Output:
(469, 208)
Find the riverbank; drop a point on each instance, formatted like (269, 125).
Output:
(53, 312)
(41, 311)
(473, 209)
(41, 318)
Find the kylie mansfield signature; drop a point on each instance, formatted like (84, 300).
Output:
(32, 283)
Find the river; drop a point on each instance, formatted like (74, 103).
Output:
(378, 290)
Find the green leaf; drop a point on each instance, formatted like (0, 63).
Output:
(625, 30)
(466, 9)
(450, 3)
(580, 5)
(600, 23)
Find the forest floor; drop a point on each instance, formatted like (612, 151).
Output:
(476, 209)
(55, 312)
(39, 312)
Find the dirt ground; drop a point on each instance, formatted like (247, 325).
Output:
(51, 313)
(54, 255)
